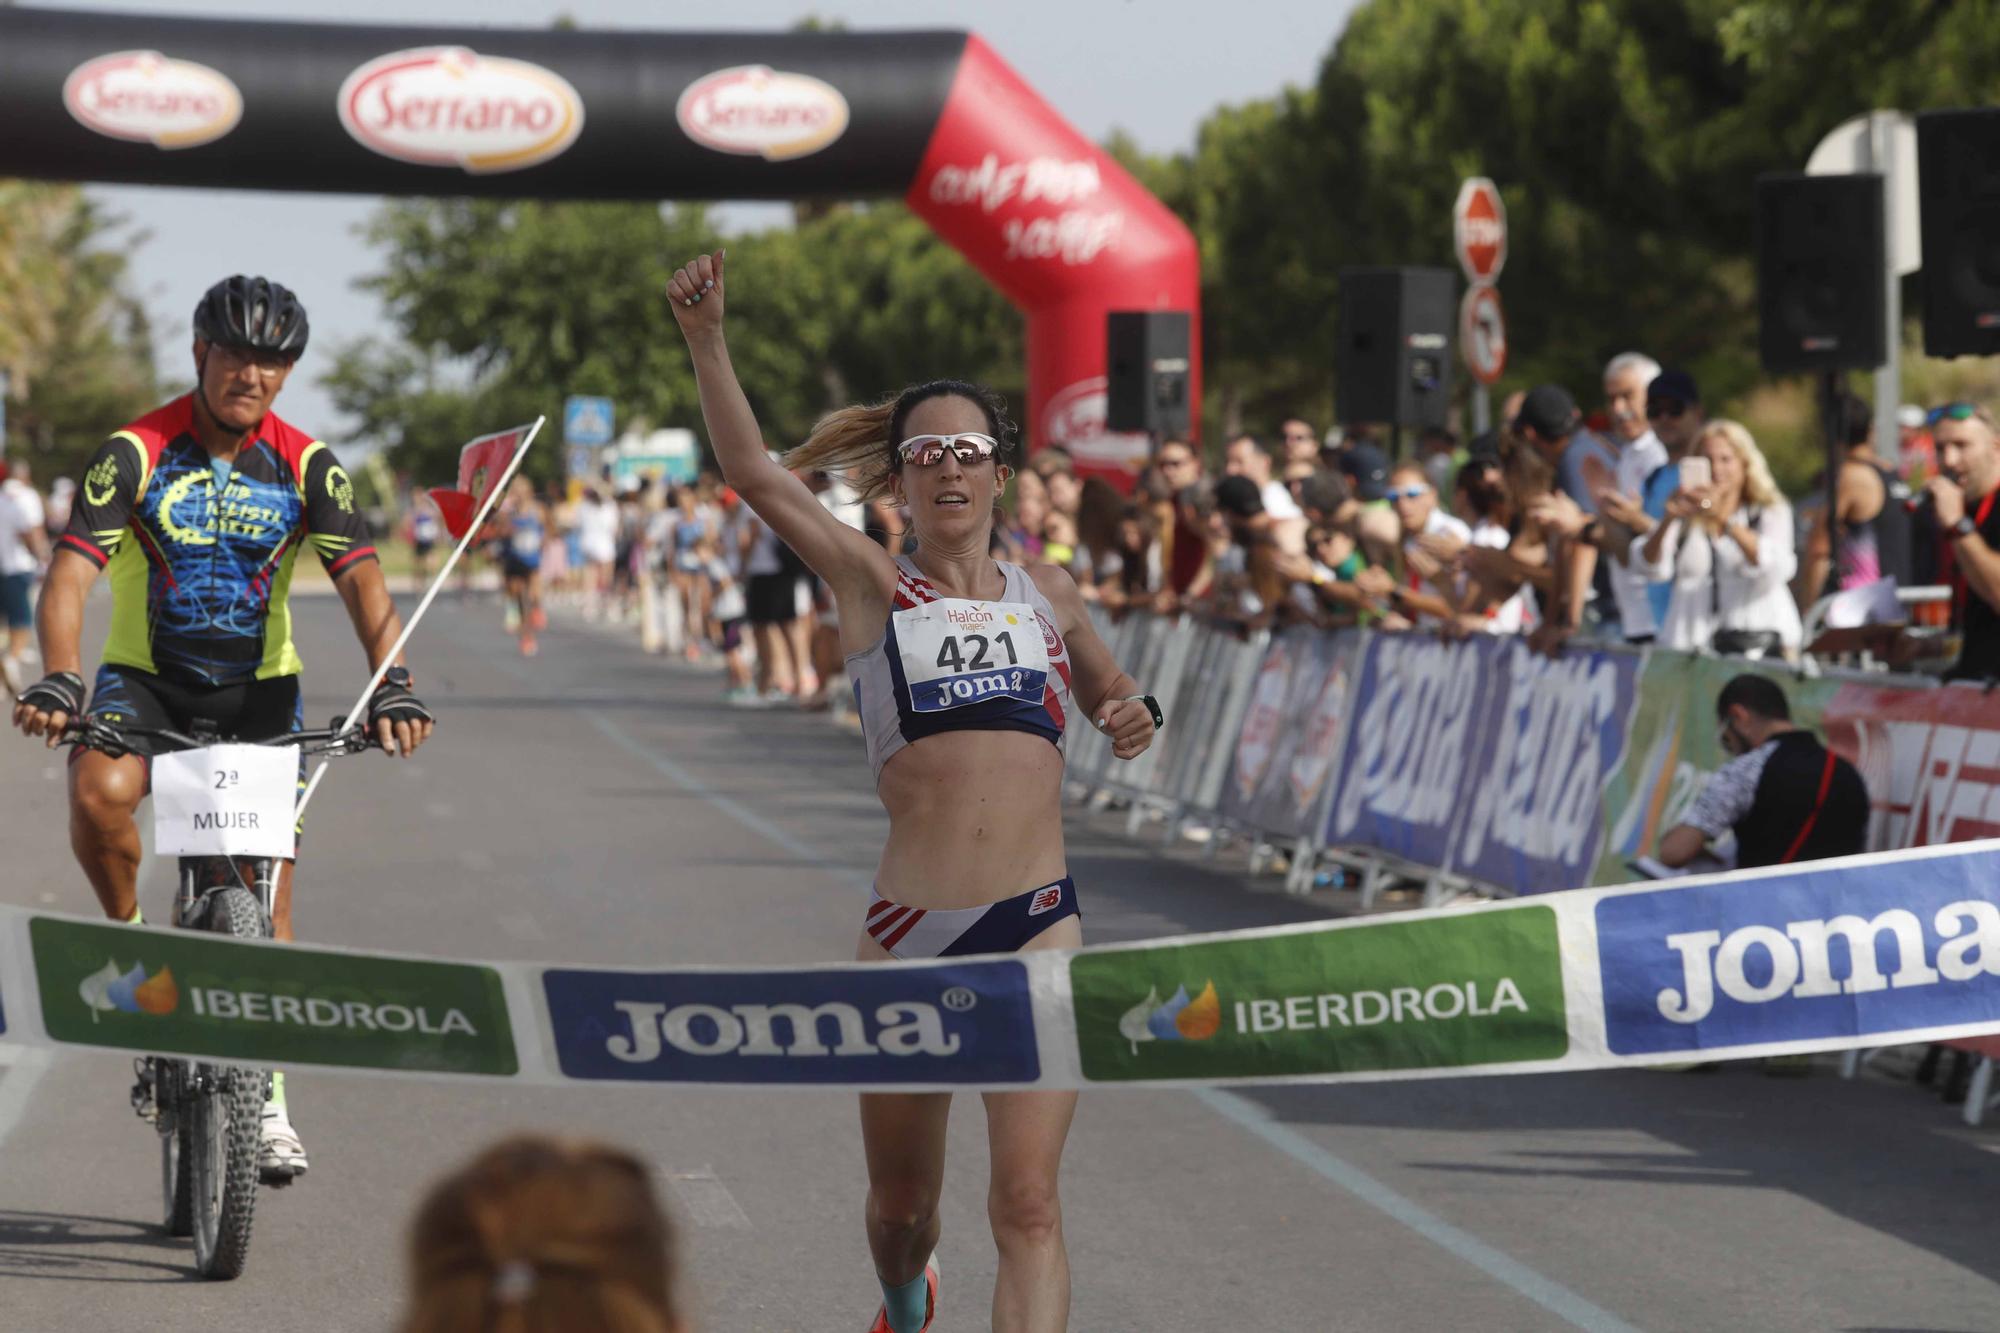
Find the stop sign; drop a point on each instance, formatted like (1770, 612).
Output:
(1479, 229)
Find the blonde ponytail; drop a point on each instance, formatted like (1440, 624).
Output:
(852, 442)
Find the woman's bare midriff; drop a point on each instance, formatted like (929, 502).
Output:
(974, 817)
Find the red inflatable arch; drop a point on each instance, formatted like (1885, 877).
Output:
(935, 117)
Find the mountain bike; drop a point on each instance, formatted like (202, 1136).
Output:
(208, 1115)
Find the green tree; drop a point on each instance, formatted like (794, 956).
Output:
(76, 347)
(504, 308)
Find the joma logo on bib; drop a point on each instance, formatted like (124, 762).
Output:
(897, 1029)
(956, 652)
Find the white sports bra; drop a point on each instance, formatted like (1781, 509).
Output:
(957, 664)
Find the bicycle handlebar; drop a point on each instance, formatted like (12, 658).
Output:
(329, 740)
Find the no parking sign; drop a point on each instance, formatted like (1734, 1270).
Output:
(1482, 333)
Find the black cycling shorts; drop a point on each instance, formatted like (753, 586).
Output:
(250, 710)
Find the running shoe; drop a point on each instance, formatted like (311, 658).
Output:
(528, 645)
(281, 1158)
(511, 618)
(13, 671)
(745, 697)
(881, 1324)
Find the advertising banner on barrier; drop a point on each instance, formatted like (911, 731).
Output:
(1559, 727)
(1422, 707)
(1876, 950)
(1288, 749)
(1931, 759)
(1671, 750)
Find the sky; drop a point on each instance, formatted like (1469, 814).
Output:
(1153, 68)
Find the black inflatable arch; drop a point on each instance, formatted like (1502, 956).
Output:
(935, 118)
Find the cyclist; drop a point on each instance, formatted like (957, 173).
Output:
(198, 510)
(967, 671)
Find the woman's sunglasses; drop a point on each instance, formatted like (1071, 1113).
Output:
(968, 446)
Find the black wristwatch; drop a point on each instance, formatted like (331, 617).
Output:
(1965, 527)
(398, 676)
(1152, 706)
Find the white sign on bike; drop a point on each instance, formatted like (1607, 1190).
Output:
(226, 800)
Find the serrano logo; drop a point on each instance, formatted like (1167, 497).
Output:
(756, 111)
(108, 991)
(445, 106)
(146, 97)
(1178, 1019)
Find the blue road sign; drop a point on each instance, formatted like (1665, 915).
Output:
(587, 420)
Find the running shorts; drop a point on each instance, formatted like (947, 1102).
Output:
(1002, 927)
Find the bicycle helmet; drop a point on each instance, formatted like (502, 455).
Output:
(253, 313)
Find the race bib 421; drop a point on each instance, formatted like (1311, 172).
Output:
(957, 652)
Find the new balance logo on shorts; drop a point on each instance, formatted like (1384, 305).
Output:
(1045, 900)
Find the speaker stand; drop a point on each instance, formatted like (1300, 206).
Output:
(1833, 384)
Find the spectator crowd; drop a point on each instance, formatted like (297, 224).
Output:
(1646, 522)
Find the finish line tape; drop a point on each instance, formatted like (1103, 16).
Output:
(1869, 951)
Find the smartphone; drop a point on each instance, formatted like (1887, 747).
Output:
(1695, 473)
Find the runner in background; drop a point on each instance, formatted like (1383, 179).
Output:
(969, 672)
(597, 549)
(23, 546)
(425, 526)
(688, 577)
(555, 546)
(729, 622)
(521, 564)
(771, 586)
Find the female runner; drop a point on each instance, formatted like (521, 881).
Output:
(964, 728)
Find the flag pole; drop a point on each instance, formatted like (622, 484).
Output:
(430, 595)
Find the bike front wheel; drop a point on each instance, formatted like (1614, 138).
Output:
(174, 1156)
(218, 1128)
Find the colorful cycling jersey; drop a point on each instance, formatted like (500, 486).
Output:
(200, 566)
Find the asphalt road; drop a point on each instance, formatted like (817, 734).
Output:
(593, 805)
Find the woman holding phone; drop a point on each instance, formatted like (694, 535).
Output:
(1726, 545)
(968, 672)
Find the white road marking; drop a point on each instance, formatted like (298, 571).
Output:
(707, 1201)
(1504, 1269)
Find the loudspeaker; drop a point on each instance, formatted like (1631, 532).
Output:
(1392, 360)
(1958, 170)
(1146, 364)
(1819, 273)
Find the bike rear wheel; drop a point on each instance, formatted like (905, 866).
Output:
(218, 1127)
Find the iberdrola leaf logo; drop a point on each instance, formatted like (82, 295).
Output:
(107, 990)
(1179, 1019)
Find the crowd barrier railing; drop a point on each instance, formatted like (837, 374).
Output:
(1477, 764)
